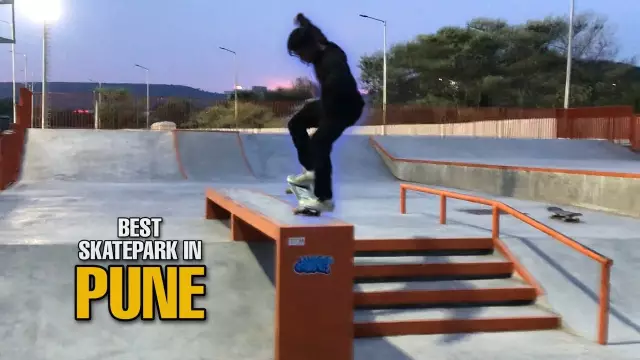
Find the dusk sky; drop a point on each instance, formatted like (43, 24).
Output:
(179, 40)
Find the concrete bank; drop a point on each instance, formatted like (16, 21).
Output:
(615, 194)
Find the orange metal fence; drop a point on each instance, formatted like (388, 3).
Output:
(497, 207)
(613, 123)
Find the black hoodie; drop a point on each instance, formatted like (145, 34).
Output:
(340, 97)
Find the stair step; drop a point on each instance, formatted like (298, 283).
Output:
(424, 266)
(424, 244)
(390, 322)
(491, 291)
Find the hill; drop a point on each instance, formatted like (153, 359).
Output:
(155, 90)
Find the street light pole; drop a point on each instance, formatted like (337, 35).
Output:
(13, 79)
(97, 108)
(384, 70)
(567, 85)
(147, 81)
(235, 84)
(45, 112)
(26, 81)
(26, 65)
(13, 64)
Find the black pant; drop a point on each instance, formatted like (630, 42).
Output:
(314, 153)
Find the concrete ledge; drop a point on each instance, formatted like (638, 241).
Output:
(314, 305)
(589, 189)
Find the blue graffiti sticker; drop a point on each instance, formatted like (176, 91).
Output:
(313, 264)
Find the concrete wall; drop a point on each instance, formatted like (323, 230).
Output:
(516, 128)
(613, 194)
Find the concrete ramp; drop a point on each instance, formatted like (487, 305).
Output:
(491, 150)
(587, 173)
(99, 156)
(273, 157)
(212, 156)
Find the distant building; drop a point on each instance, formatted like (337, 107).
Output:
(259, 89)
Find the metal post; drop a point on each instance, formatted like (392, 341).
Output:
(43, 102)
(384, 71)
(384, 81)
(147, 79)
(235, 84)
(33, 88)
(26, 64)
(567, 86)
(13, 61)
(13, 80)
(235, 89)
(99, 103)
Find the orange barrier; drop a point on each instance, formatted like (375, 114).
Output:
(313, 307)
(12, 142)
(497, 207)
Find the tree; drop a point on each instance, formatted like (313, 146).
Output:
(222, 116)
(492, 63)
(174, 109)
(118, 110)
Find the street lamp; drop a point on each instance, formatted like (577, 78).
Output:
(97, 108)
(235, 84)
(567, 83)
(45, 11)
(13, 65)
(26, 81)
(147, 80)
(384, 70)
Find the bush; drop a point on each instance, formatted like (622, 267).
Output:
(222, 116)
(175, 110)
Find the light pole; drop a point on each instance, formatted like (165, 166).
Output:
(13, 65)
(46, 12)
(97, 108)
(147, 80)
(26, 81)
(45, 110)
(235, 84)
(384, 70)
(567, 84)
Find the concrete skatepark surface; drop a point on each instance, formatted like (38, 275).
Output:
(592, 155)
(67, 194)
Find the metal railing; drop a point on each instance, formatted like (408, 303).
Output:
(497, 207)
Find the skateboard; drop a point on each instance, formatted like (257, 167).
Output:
(302, 193)
(560, 214)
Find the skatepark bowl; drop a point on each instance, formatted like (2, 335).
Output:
(421, 259)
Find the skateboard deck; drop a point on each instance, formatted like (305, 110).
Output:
(561, 214)
(302, 193)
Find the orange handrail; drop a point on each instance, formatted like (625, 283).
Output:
(497, 206)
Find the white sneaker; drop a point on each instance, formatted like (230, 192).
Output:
(315, 204)
(304, 179)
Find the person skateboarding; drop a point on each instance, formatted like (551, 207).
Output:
(339, 106)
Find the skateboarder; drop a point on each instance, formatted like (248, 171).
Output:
(339, 107)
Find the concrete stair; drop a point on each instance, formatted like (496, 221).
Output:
(441, 286)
